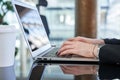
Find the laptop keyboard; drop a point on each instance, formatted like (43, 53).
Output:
(52, 53)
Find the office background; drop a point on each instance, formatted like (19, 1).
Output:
(61, 16)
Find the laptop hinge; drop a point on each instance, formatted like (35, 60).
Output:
(46, 51)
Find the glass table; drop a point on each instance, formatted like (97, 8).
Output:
(48, 71)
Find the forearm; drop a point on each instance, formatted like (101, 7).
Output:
(109, 54)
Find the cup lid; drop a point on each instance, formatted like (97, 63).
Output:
(7, 28)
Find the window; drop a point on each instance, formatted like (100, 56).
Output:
(109, 19)
(61, 19)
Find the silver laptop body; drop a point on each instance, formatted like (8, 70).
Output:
(36, 37)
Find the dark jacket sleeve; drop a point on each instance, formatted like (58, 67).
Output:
(110, 54)
(112, 41)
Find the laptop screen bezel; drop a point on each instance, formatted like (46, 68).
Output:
(41, 50)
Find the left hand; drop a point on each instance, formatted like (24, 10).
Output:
(87, 40)
(76, 48)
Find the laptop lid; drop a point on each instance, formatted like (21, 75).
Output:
(32, 28)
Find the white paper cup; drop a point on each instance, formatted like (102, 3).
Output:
(7, 45)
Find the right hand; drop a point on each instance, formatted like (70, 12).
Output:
(77, 48)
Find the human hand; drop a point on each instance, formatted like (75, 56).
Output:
(79, 70)
(77, 48)
(87, 40)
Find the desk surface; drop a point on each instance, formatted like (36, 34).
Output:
(65, 72)
(73, 72)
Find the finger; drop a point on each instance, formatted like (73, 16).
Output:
(67, 52)
(65, 48)
(67, 43)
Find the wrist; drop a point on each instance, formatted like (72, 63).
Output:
(99, 41)
(95, 51)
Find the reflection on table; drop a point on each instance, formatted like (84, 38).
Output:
(73, 72)
(63, 72)
(109, 72)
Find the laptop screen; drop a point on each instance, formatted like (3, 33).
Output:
(33, 27)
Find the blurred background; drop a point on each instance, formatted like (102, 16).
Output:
(64, 21)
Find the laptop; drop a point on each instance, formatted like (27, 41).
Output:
(36, 38)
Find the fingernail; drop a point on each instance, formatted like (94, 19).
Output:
(57, 53)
